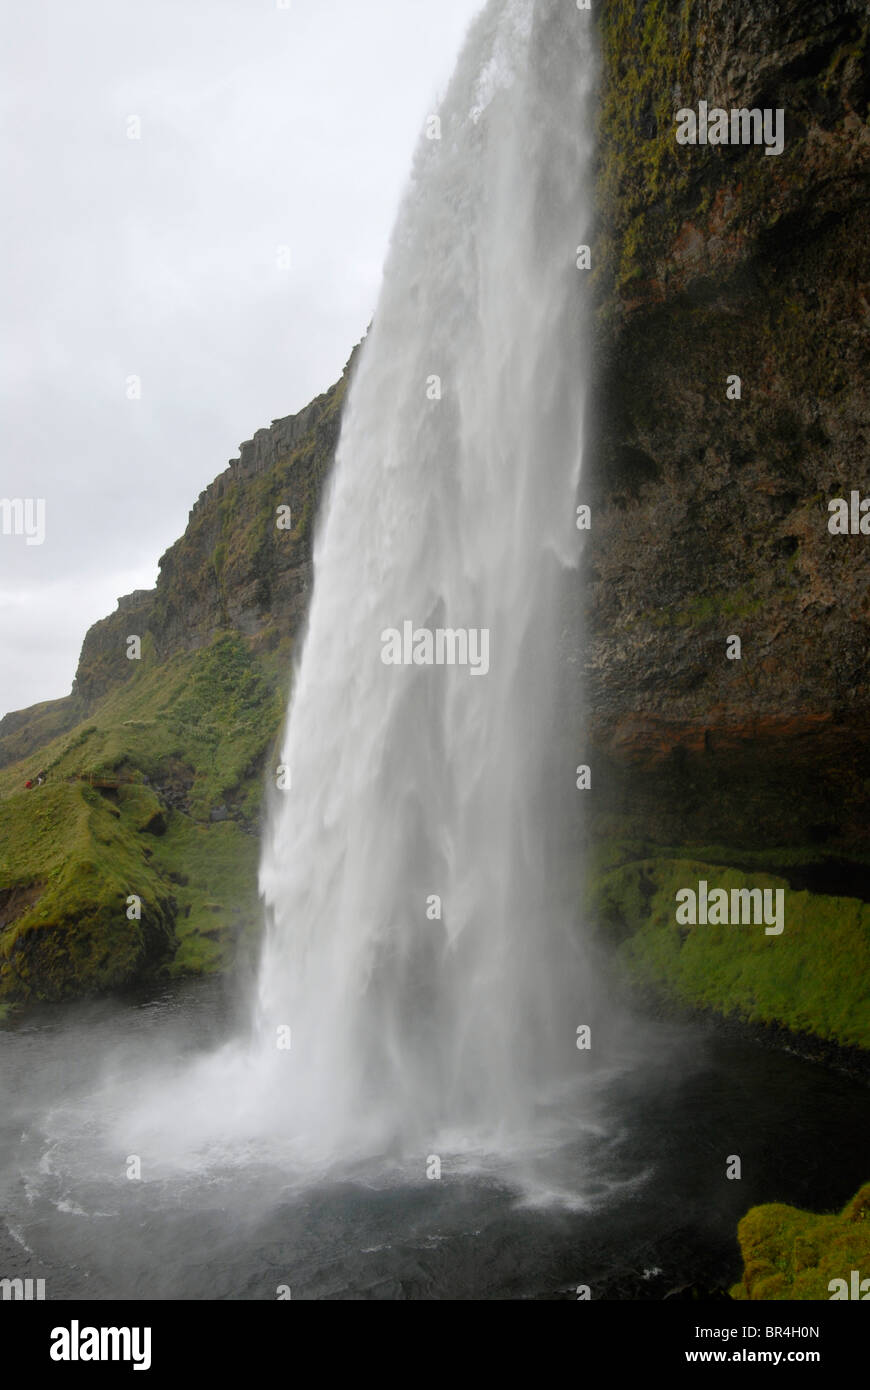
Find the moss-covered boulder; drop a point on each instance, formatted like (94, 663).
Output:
(792, 1254)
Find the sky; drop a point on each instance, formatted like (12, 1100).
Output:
(198, 199)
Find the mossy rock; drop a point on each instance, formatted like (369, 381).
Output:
(793, 1254)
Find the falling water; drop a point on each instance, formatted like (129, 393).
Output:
(416, 951)
(422, 957)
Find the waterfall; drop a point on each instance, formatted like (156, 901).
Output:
(423, 975)
(420, 975)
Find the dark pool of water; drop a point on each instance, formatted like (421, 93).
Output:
(658, 1212)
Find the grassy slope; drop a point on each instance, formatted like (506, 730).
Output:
(200, 724)
(193, 733)
(75, 858)
(811, 978)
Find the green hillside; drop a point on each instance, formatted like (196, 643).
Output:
(186, 741)
(156, 766)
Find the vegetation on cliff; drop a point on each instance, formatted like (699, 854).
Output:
(811, 978)
(177, 744)
(156, 766)
(710, 513)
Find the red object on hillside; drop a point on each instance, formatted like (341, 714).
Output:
(28, 784)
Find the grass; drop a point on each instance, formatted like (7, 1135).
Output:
(199, 726)
(808, 979)
(74, 858)
(214, 870)
(207, 716)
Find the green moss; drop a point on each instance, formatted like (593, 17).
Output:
(707, 608)
(653, 58)
(854, 52)
(202, 723)
(224, 720)
(214, 869)
(142, 808)
(646, 56)
(210, 715)
(789, 1253)
(808, 979)
(71, 862)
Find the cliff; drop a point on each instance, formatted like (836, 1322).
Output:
(710, 511)
(139, 852)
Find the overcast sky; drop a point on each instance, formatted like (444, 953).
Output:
(263, 124)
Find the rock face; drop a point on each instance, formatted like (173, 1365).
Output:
(233, 568)
(711, 514)
(100, 666)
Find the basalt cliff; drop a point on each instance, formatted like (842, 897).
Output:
(743, 764)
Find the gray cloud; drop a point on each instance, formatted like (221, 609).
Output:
(261, 128)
